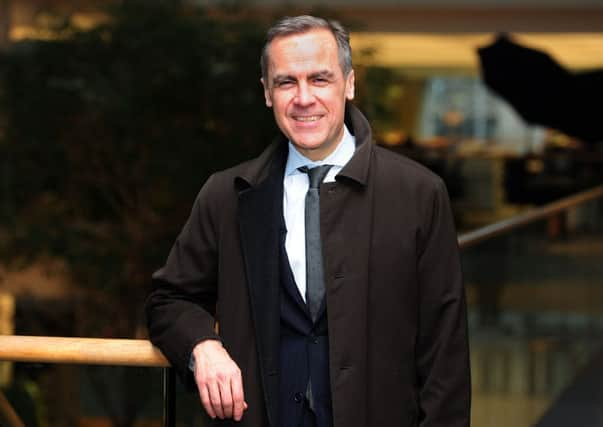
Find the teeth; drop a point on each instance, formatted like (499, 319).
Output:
(307, 118)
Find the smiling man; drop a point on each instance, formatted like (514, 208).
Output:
(307, 87)
(331, 265)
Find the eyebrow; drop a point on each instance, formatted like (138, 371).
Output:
(324, 74)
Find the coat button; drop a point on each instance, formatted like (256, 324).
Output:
(298, 397)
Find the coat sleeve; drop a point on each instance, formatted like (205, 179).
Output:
(444, 378)
(180, 309)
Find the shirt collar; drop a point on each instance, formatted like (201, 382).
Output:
(342, 154)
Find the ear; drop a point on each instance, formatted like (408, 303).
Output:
(349, 86)
(267, 96)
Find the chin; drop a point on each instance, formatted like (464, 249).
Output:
(309, 141)
(309, 145)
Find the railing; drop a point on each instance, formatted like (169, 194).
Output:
(549, 211)
(9, 413)
(93, 351)
(82, 351)
(534, 291)
(124, 352)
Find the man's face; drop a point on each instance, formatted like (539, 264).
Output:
(307, 91)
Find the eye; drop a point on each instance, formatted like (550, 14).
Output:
(284, 84)
(320, 81)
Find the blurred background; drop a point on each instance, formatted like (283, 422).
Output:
(113, 113)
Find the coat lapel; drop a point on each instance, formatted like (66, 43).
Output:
(260, 222)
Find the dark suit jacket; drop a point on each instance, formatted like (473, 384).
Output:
(396, 306)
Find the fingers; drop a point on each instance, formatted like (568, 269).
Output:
(226, 399)
(239, 405)
(232, 396)
(206, 402)
(215, 399)
(219, 382)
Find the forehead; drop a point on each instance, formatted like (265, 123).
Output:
(315, 48)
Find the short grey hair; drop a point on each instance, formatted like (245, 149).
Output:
(302, 24)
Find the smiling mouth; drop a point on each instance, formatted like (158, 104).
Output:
(306, 119)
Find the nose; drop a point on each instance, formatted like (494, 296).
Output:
(304, 95)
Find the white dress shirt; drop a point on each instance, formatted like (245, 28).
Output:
(296, 185)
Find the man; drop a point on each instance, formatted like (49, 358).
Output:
(339, 297)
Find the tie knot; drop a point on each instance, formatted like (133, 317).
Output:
(316, 174)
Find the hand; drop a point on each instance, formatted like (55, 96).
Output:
(219, 381)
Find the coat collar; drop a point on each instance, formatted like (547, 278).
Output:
(357, 168)
(275, 155)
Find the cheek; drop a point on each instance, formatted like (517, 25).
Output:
(280, 113)
(282, 108)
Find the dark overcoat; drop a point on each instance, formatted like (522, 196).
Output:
(395, 299)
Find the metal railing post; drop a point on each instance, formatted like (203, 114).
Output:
(169, 397)
(7, 412)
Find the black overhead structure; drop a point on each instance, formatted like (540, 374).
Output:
(542, 91)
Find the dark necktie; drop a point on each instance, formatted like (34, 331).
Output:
(315, 281)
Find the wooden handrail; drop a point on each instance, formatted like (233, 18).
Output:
(86, 351)
(474, 237)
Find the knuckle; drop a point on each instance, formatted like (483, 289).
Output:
(202, 376)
